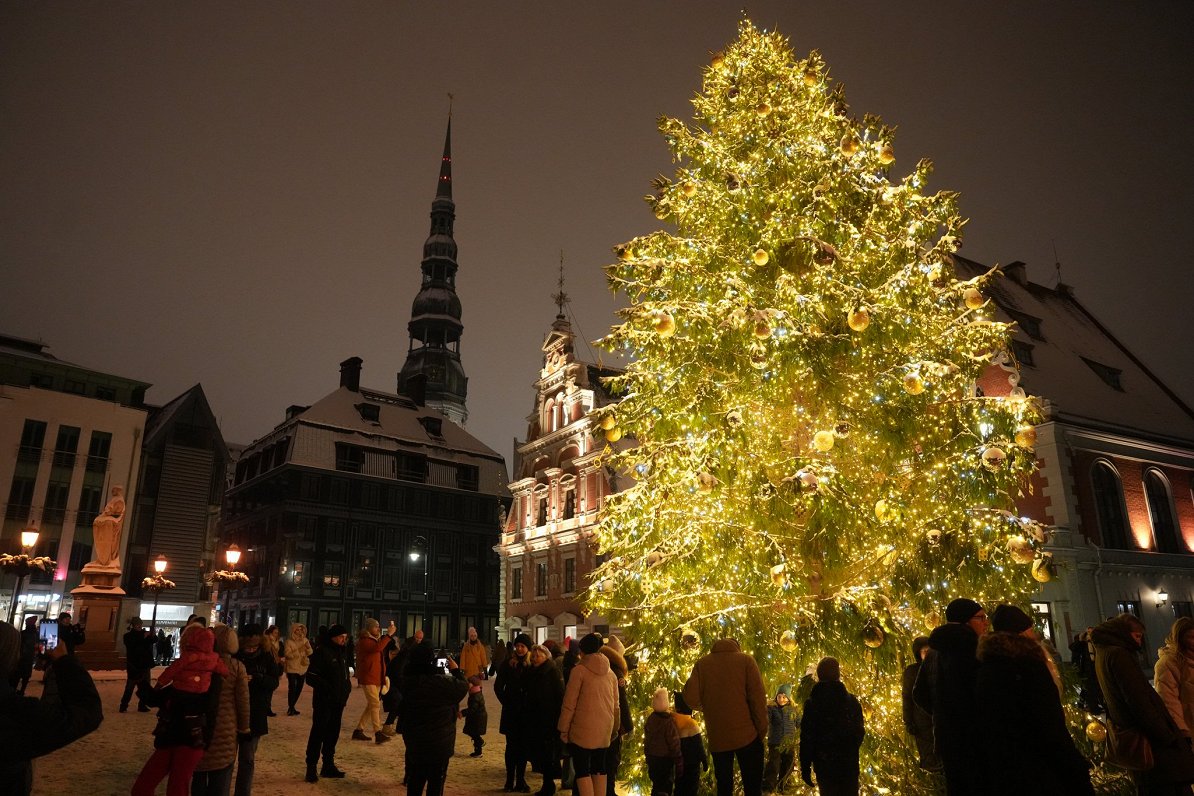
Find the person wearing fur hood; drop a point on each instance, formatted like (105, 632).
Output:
(589, 716)
(297, 652)
(1173, 676)
(1018, 709)
(213, 775)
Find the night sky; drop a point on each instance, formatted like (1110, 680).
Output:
(237, 194)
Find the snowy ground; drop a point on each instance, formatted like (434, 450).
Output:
(106, 762)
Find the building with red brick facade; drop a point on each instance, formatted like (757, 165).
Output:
(1115, 451)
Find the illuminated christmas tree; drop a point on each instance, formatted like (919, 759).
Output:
(816, 472)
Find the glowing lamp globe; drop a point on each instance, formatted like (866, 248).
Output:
(160, 564)
(232, 555)
(29, 537)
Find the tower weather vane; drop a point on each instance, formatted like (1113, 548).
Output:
(561, 298)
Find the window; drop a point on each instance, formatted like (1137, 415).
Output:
(309, 487)
(349, 458)
(411, 467)
(569, 575)
(98, 450)
(1128, 607)
(55, 507)
(43, 380)
(516, 583)
(1022, 353)
(33, 436)
(541, 580)
(20, 499)
(1182, 608)
(89, 505)
(302, 574)
(105, 394)
(1109, 505)
(1030, 324)
(370, 413)
(339, 492)
(542, 512)
(1044, 619)
(1106, 373)
(66, 446)
(1160, 513)
(74, 386)
(468, 477)
(332, 572)
(570, 504)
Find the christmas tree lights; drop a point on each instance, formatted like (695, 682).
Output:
(815, 472)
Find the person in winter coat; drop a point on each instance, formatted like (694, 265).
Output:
(138, 647)
(1018, 709)
(1173, 676)
(68, 709)
(391, 699)
(726, 686)
(264, 672)
(163, 649)
(330, 688)
(500, 653)
(544, 688)
(692, 748)
(589, 716)
(661, 746)
(831, 731)
(297, 653)
(371, 675)
(271, 642)
(616, 652)
(515, 724)
(945, 689)
(781, 740)
(213, 774)
(1133, 705)
(186, 719)
(474, 657)
(918, 722)
(30, 641)
(476, 717)
(428, 716)
(73, 636)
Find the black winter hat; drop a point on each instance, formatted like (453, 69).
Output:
(337, 630)
(961, 610)
(591, 643)
(1010, 619)
(524, 640)
(420, 655)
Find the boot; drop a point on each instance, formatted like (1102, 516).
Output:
(520, 783)
(477, 744)
(311, 775)
(330, 771)
(509, 786)
(380, 737)
(548, 789)
(359, 735)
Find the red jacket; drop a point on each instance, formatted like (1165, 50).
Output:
(371, 665)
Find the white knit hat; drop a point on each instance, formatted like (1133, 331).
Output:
(659, 701)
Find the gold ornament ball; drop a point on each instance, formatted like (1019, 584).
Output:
(654, 558)
(823, 441)
(873, 636)
(690, 640)
(787, 641)
(706, 482)
(762, 109)
(973, 298)
(1026, 437)
(1096, 731)
(882, 510)
(1042, 570)
(932, 620)
(758, 356)
(761, 257)
(613, 435)
(934, 537)
(626, 253)
(663, 323)
(810, 77)
(762, 330)
(859, 319)
(935, 272)
(1020, 549)
(689, 189)
(608, 422)
(718, 62)
(887, 154)
(808, 480)
(914, 384)
(993, 458)
(841, 430)
(779, 575)
(662, 209)
(849, 144)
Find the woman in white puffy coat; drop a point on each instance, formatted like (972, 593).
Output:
(298, 657)
(1173, 676)
(589, 717)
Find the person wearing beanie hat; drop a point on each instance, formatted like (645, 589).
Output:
(917, 721)
(1018, 708)
(371, 674)
(544, 688)
(510, 689)
(726, 686)
(430, 702)
(589, 716)
(330, 682)
(692, 748)
(476, 717)
(474, 655)
(661, 745)
(68, 709)
(945, 689)
(831, 732)
(781, 740)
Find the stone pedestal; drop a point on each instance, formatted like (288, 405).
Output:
(97, 608)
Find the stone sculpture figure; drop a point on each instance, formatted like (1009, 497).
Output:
(106, 531)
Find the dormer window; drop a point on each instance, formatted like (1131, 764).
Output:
(1023, 353)
(1030, 324)
(1106, 373)
(434, 426)
(370, 413)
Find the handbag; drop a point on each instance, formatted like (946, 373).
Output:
(1128, 748)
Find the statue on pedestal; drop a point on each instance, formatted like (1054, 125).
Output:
(106, 532)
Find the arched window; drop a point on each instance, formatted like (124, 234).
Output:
(549, 416)
(1160, 512)
(1109, 505)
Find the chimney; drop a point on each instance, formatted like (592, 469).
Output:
(1018, 272)
(350, 373)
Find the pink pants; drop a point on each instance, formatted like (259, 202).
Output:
(177, 761)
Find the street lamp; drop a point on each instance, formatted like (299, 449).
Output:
(232, 555)
(157, 583)
(420, 548)
(20, 566)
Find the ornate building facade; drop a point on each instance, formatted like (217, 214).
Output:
(558, 488)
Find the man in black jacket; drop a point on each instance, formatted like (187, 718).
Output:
(69, 635)
(831, 731)
(138, 646)
(945, 688)
(330, 687)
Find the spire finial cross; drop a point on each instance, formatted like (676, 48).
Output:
(561, 298)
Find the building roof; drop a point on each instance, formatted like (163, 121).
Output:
(1089, 377)
(37, 352)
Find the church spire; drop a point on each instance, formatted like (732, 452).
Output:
(432, 373)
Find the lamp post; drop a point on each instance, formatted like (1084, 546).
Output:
(21, 568)
(419, 548)
(232, 555)
(159, 569)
